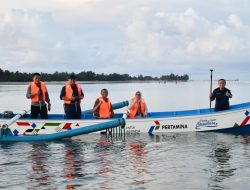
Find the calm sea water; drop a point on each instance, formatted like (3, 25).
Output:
(167, 161)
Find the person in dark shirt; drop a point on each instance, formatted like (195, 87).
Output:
(37, 92)
(222, 95)
(72, 95)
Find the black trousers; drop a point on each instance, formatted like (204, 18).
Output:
(36, 110)
(73, 111)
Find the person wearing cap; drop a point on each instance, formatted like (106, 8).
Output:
(103, 108)
(37, 92)
(72, 95)
(137, 106)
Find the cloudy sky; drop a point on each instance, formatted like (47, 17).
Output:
(149, 37)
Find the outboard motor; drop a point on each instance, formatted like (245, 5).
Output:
(8, 114)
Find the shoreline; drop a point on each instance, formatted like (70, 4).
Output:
(90, 82)
(117, 82)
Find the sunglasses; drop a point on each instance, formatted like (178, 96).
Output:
(138, 94)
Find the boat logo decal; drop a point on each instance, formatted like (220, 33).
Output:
(15, 132)
(247, 113)
(36, 128)
(67, 126)
(25, 124)
(154, 127)
(245, 121)
(58, 129)
(157, 126)
(206, 123)
(178, 126)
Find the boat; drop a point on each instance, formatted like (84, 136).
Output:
(236, 120)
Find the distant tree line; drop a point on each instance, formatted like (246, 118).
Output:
(8, 76)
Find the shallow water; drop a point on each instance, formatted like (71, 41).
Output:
(159, 96)
(166, 161)
(172, 161)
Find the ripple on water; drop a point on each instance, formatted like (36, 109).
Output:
(165, 161)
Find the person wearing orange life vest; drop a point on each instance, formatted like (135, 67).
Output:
(103, 107)
(137, 106)
(38, 94)
(72, 95)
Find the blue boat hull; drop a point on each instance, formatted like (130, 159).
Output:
(64, 134)
(236, 130)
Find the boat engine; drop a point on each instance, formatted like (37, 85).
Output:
(8, 114)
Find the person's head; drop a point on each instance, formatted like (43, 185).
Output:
(36, 77)
(104, 93)
(222, 83)
(138, 95)
(72, 78)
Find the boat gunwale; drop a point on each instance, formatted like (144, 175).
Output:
(151, 115)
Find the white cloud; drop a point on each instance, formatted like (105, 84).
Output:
(185, 40)
(214, 41)
(143, 36)
(31, 37)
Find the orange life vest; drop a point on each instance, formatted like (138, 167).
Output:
(134, 109)
(69, 92)
(34, 89)
(104, 109)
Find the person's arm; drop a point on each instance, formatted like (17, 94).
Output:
(112, 111)
(63, 95)
(82, 95)
(96, 106)
(47, 99)
(131, 104)
(79, 97)
(146, 110)
(229, 94)
(28, 94)
(212, 96)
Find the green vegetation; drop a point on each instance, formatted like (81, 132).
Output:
(7, 76)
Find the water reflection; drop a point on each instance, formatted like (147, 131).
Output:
(39, 176)
(128, 162)
(221, 169)
(103, 147)
(246, 139)
(137, 158)
(73, 164)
